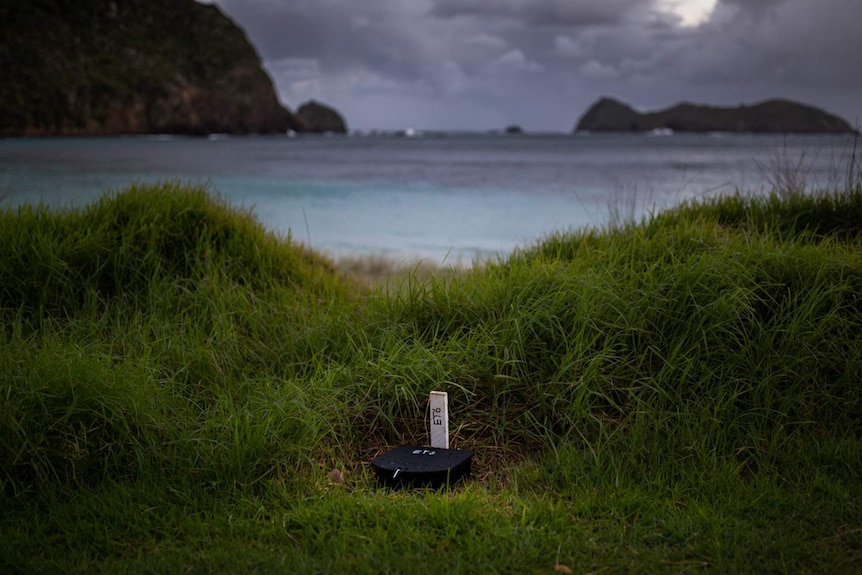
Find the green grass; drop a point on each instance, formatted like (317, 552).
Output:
(676, 395)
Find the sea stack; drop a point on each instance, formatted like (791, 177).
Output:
(317, 118)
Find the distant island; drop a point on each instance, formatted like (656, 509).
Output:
(106, 67)
(771, 116)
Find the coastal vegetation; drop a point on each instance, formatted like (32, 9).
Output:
(679, 394)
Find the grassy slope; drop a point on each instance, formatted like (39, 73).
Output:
(674, 396)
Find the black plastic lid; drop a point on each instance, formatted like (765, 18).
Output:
(410, 465)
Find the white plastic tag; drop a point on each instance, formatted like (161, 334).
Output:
(439, 413)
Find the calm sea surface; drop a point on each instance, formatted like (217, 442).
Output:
(451, 197)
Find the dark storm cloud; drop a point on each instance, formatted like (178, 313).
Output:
(541, 12)
(753, 6)
(780, 43)
(341, 33)
(486, 63)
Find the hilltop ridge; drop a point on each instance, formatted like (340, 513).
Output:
(770, 116)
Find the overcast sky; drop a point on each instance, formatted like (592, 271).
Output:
(486, 64)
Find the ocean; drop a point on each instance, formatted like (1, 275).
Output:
(441, 197)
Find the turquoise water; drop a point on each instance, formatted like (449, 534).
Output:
(447, 197)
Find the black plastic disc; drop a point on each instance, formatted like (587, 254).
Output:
(408, 466)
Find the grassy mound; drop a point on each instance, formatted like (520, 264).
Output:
(673, 395)
(142, 332)
(136, 242)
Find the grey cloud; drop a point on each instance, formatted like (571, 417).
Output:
(795, 42)
(541, 12)
(756, 7)
(339, 34)
(541, 62)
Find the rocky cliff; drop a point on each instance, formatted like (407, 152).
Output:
(771, 116)
(94, 67)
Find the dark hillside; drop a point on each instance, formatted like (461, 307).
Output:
(130, 67)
